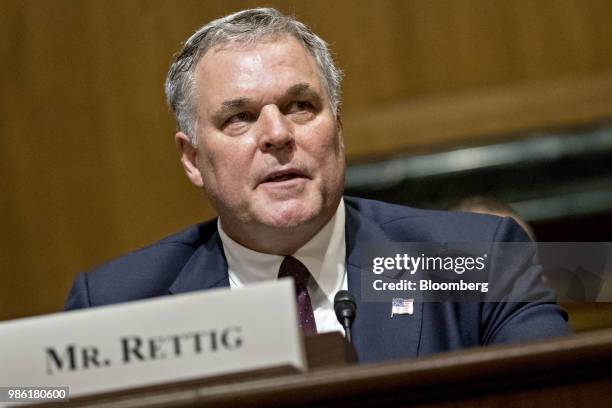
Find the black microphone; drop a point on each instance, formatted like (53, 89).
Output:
(345, 307)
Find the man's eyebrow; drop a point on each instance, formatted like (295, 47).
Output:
(231, 106)
(302, 90)
(235, 103)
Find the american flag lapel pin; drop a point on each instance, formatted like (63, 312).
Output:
(402, 306)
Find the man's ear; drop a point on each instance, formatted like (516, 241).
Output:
(340, 130)
(189, 158)
(339, 120)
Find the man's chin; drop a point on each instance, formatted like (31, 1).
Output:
(289, 215)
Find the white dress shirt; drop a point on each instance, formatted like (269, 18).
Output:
(324, 256)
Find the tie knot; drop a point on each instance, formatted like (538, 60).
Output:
(297, 270)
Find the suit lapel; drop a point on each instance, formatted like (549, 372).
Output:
(376, 335)
(206, 269)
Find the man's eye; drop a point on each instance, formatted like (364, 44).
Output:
(239, 117)
(299, 106)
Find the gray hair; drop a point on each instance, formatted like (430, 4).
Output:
(245, 27)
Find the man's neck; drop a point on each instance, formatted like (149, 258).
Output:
(276, 241)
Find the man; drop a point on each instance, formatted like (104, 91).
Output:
(256, 96)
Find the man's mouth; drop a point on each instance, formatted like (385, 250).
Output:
(283, 175)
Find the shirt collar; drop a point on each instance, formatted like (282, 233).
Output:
(324, 256)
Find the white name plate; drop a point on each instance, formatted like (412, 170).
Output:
(148, 342)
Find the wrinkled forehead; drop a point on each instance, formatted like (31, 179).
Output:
(275, 63)
(249, 43)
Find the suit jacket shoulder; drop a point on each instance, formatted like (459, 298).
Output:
(144, 273)
(401, 223)
(444, 326)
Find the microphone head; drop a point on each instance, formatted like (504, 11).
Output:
(343, 296)
(345, 307)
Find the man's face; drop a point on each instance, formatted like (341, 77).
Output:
(270, 151)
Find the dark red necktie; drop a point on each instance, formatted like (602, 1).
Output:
(294, 268)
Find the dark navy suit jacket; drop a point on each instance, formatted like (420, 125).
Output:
(194, 260)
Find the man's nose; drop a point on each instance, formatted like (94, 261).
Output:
(275, 131)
